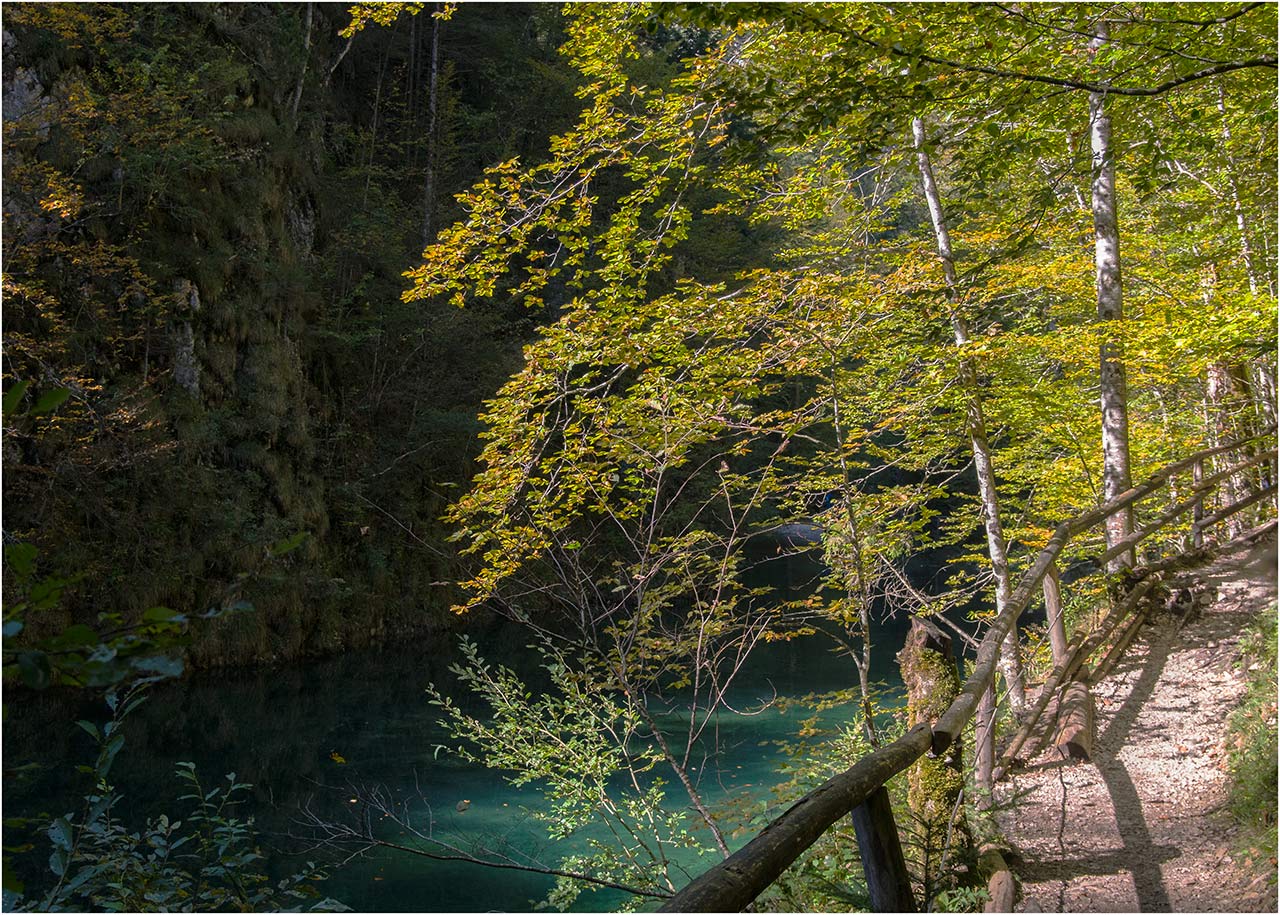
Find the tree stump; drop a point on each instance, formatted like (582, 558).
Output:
(1001, 886)
(934, 785)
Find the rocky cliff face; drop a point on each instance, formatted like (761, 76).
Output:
(215, 276)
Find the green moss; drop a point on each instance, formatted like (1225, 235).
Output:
(934, 786)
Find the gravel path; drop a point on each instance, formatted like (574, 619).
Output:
(1143, 827)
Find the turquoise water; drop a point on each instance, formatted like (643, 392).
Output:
(280, 730)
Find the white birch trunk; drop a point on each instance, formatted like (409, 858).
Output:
(1111, 373)
(1263, 369)
(302, 77)
(975, 422)
(1242, 223)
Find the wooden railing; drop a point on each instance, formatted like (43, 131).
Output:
(860, 791)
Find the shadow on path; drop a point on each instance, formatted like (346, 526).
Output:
(1141, 854)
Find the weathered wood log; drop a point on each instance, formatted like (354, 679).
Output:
(1053, 614)
(1206, 523)
(985, 752)
(1197, 514)
(1121, 645)
(1079, 654)
(1001, 887)
(883, 865)
(1192, 502)
(955, 718)
(1083, 522)
(1076, 721)
(735, 882)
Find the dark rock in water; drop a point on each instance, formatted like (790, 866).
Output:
(462, 806)
(793, 533)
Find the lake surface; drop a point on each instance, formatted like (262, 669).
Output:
(281, 729)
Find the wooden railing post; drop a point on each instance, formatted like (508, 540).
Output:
(859, 791)
(1053, 615)
(883, 864)
(1197, 512)
(984, 762)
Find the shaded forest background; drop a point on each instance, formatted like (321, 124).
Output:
(207, 213)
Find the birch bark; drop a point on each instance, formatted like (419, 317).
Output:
(975, 422)
(1112, 383)
(302, 76)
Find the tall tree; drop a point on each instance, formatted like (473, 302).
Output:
(997, 548)
(1111, 372)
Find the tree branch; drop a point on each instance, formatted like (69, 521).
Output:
(333, 833)
(1266, 60)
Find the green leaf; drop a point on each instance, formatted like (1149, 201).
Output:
(9, 881)
(47, 592)
(50, 401)
(289, 544)
(60, 833)
(21, 558)
(162, 615)
(89, 728)
(82, 877)
(108, 755)
(35, 669)
(77, 636)
(13, 397)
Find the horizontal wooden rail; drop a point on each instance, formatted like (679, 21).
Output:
(1230, 510)
(1121, 645)
(1083, 647)
(953, 720)
(734, 883)
(1134, 494)
(1123, 546)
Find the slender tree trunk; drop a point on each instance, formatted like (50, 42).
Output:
(862, 658)
(984, 754)
(1242, 223)
(1111, 372)
(429, 180)
(302, 76)
(1075, 187)
(411, 74)
(975, 422)
(373, 130)
(717, 834)
(1228, 392)
(1264, 373)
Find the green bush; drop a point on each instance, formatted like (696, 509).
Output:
(1251, 737)
(208, 861)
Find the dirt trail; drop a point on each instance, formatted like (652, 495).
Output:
(1143, 827)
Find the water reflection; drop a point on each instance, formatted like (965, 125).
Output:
(300, 734)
